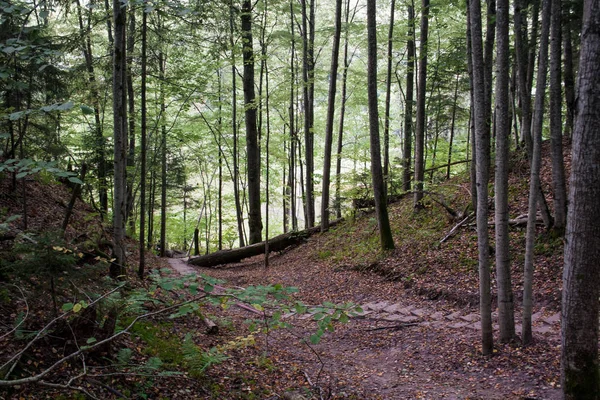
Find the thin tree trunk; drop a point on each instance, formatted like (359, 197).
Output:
(452, 125)
(143, 144)
(335, 52)
(252, 145)
(385, 232)
(236, 168)
(534, 180)
(408, 108)
(581, 276)
(308, 78)
(131, 115)
(421, 92)
(482, 141)
(521, 56)
(163, 152)
(120, 137)
(558, 169)
(506, 319)
(340, 141)
(99, 145)
(388, 95)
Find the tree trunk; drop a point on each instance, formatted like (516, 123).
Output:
(120, 137)
(236, 164)
(308, 29)
(99, 145)
(379, 193)
(421, 92)
(521, 56)
(408, 107)
(506, 319)
(340, 141)
(131, 115)
(143, 144)
(534, 180)
(388, 95)
(252, 145)
(558, 168)
(482, 140)
(581, 277)
(278, 243)
(335, 53)
(163, 151)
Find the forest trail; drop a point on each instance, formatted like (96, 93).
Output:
(402, 346)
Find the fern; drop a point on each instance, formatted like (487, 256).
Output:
(196, 360)
(124, 356)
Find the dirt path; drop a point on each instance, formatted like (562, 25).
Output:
(402, 346)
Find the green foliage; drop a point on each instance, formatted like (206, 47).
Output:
(196, 360)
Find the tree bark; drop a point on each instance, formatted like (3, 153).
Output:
(252, 145)
(120, 137)
(581, 276)
(236, 164)
(388, 95)
(385, 232)
(482, 140)
(506, 320)
(534, 180)
(558, 168)
(278, 243)
(408, 106)
(143, 140)
(308, 35)
(335, 52)
(421, 92)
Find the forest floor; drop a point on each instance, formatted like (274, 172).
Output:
(417, 337)
(404, 346)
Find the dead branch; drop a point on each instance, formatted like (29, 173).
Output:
(456, 227)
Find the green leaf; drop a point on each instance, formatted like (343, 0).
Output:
(65, 106)
(76, 180)
(86, 110)
(91, 340)
(67, 307)
(344, 318)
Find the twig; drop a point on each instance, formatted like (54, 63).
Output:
(453, 230)
(24, 318)
(394, 327)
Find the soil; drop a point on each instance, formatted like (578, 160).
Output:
(403, 346)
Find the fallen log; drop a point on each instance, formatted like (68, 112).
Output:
(278, 243)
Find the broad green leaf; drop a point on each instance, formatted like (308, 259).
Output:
(91, 340)
(86, 110)
(76, 180)
(67, 307)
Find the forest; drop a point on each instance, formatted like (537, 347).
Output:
(406, 191)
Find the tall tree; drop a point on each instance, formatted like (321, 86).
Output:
(482, 161)
(421, 92)
(252, 145)
(408, 106)
(120, 136)
(234, 128)
(335, 53)
(534, 179)
(99, 140)
(388, 96)
(308, 71)
(506, 320)
(558, 169)
(385, 232)
(143, 140)
(581, 276)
